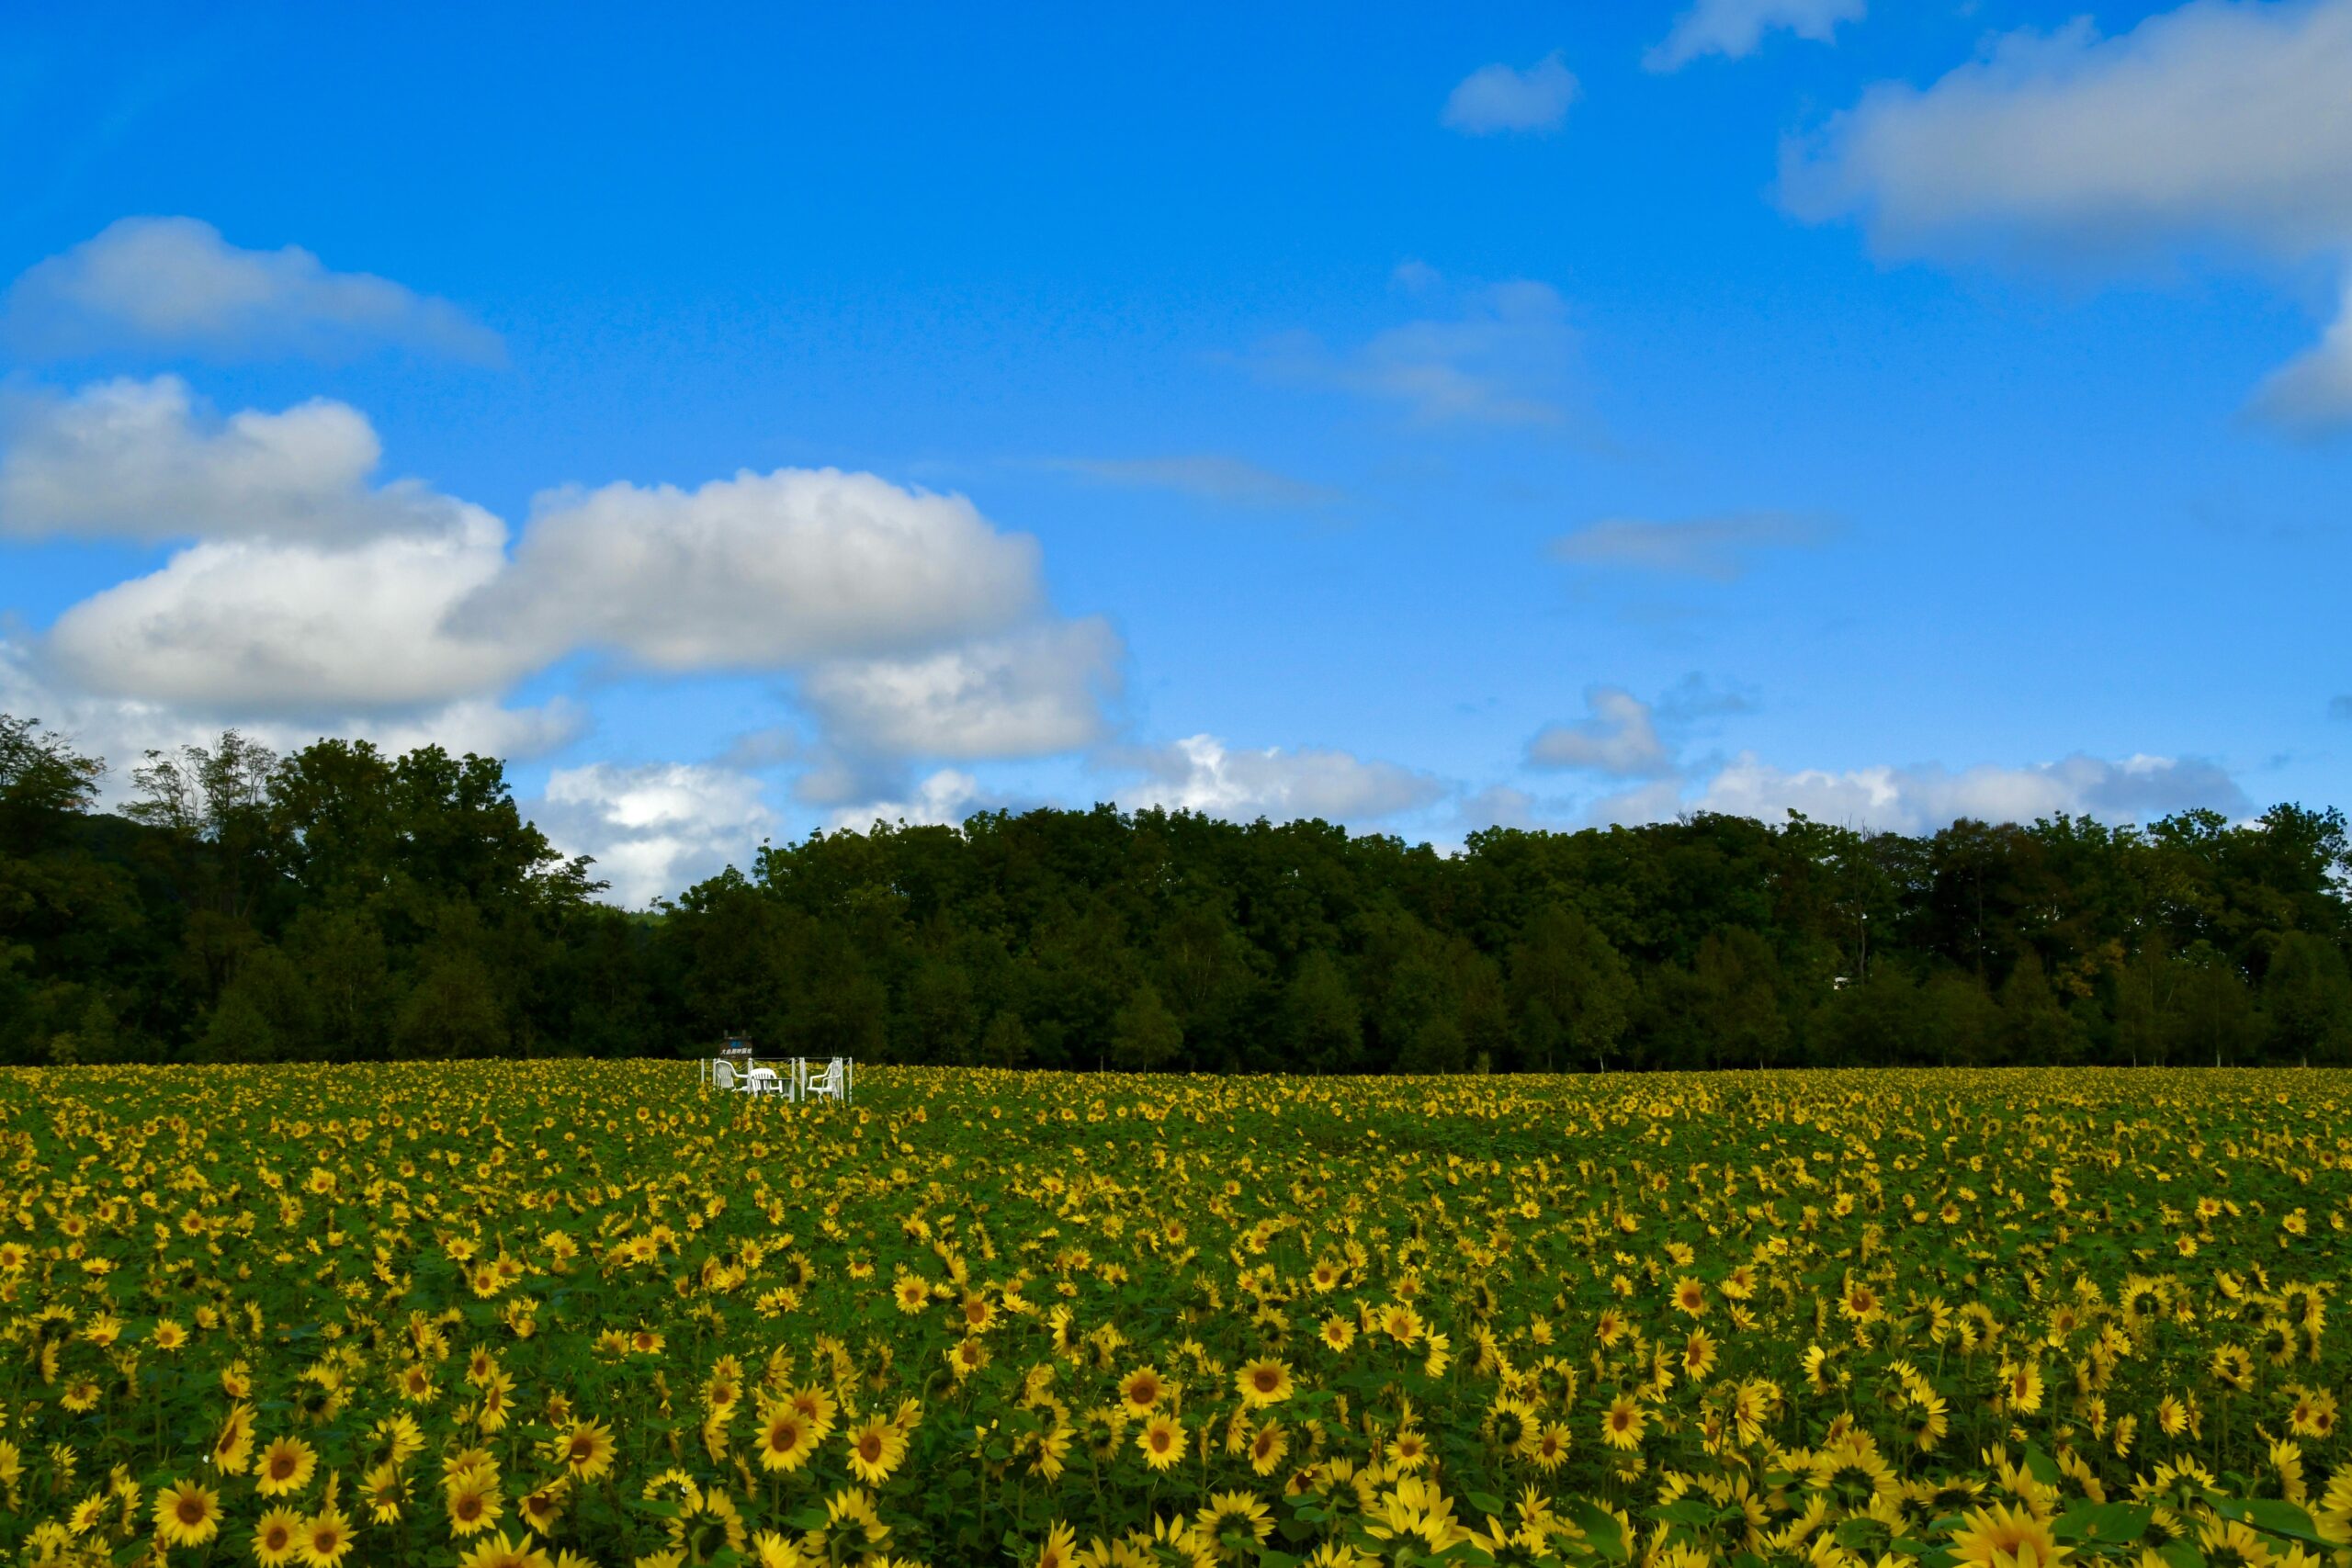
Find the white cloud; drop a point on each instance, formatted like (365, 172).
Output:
(174, 283)
(943, 799)
(2212, 121)
(1736, 28)
(1500, 360)
(1201, 774)
(259, 626)
(1928, 797)
(759, 571)
(1227, 481)
(146, 460)
(2218, 127)
(1036, 691)
(656, 830)
(1619, 737)
(2313, 392)
(1496, 98)
(121, 729)
(1497, 806)
(1716, 547)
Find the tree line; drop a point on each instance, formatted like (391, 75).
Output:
(341, 903)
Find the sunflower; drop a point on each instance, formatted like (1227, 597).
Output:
(1262, 1382)
(817, 1404)
(475, 1502)
(967, 1357)
(1141, 1390)
(1698, 1354)
(1550, 1447)
(277, 1536)
(1052, 1451)
(1338, 1332)
(504, 1551)
(1690, 1297)
(1162, 1440)
(284, 1466)
(1060, 1550)
(787, 1439)
(1230, 1512)
(1401, 1323)
(188, 1514)
(1623, 1423)
(2000, 1537)
(911, 1293)
(232, 1450)
(326, 1539)
(875, 1450)
(384, 1494)
(543, 1506)
(586, 1451)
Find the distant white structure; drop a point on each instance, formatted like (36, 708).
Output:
(792, 1079)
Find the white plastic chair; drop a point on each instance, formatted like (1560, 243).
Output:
(826, 1085)
(723, 1075)
(764, 1080)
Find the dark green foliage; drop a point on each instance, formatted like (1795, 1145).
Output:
(341, 904)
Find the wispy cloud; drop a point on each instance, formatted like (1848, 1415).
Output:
(1502, 357)
(1734, 28)
(1210, 477)
(1498, 98)
(1718, 547)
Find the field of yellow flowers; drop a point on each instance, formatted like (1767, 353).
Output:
(508, 1314)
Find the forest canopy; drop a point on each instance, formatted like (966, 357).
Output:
(343, 904)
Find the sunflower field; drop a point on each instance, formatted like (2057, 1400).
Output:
(518, 1315)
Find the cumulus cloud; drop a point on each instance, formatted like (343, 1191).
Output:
(943, 799)
(916, 628)
(758, 571)
(263, 626)
(146, 460)
(1036, 691)
(2214, 120)
(2217, 126)
(1498, 98)
(1201, 774)
(174, 284)
(1736, 28)
(1618, 736)
(1500, 359)
(1226, 481)
(1719, 546)
(1928, 797)
(653, 830)
(122, 729)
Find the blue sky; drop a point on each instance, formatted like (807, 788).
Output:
(753, 422)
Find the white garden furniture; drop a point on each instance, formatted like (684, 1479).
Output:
(831, 1083)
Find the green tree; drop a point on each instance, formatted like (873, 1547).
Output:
(1144, 1033)
(2307, 994)
(1320, 1026)
(1572, 990)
